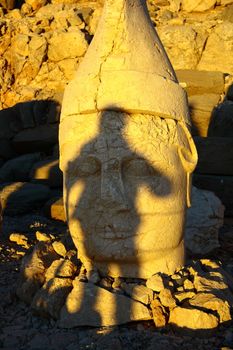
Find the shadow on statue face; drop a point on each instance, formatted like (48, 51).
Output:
(125, 191)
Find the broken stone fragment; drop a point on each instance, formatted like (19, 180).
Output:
(59, 248)
(211, 302)
(61, 268)
(182, 296)
(90, 305)
(19, 239)
(138, 292)
(188, 320)
(155, 283)
(215, 283)
(51, 297)
(167, 298)
(32, 270)
(42, 237)
(158, 313)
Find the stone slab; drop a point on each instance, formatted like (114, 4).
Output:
(201, 109)
(90, 305)
(201, 82)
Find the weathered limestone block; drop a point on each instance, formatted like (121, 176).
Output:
(55, 209)
(202, 107)
(73, 45)
(51, 297)
(183, 45)
(198, 5)
(27, 55)
(192, 320)
(211, 302)
(126, 151)
(201, 82)
(32, 271)
(138, 292)
(217, 55)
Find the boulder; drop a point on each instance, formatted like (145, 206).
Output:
(210, 151)
(159, 315)
(198, 5)
(189, 320)
(61, 268)
(204, 219)
(155, 283)
(201, 108)
(217, 55)
(20, 197)
(32, 270)
(226, 2)
(18, 169)
(49, 299)
(54, 208)
(47, 172)
(188, 45)
(211, 302)
(201, 82)
(90, 305)
(41, 138)
(227, 14)
(222, 122)
(59, 248)
(138, 292)
(167, 298)
(6, 149)
(73, 45)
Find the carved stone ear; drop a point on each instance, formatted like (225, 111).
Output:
(188, 157)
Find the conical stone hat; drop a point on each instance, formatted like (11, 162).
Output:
(126, 68)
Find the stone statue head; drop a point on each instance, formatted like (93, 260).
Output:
(126, 180)
(126, 151)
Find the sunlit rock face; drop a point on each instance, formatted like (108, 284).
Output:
(125, 150)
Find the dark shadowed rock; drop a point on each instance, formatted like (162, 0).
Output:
(41, 138)
(18, 169)
(47, 172)
(221, 124)
(20, 197)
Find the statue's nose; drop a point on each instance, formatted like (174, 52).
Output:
(112, 187)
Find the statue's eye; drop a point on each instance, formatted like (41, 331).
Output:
(138, 167)
(84, 167)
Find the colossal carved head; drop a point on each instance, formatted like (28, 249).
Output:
(126, 152)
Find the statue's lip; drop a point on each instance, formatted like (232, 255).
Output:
(112, 232)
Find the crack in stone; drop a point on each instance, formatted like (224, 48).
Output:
(107, 56)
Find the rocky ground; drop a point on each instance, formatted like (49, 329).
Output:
(21, 328)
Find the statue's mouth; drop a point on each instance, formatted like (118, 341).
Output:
(113, 232)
